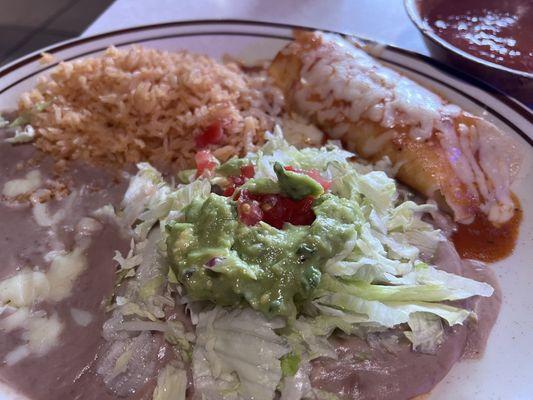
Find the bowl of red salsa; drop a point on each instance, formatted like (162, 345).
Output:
(490, 39)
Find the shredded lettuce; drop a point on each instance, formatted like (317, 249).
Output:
(149, 199)
(151, 287)
(22, 135)
(22, 120)
(309, 337)
(442, 287)
(378, 188)
(426, 332)
(127, 364)
(143, 186)
(390, 313)
(171, 384)
(25, 117)
(297, 385)
(176, 335)
(290, 363)
(133, 258)
(404, 216)
(389, 305)
(166, 200)
(237, 353)
(277, 149)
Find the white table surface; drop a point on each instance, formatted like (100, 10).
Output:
(382, 20)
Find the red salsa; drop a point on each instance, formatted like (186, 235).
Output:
(498, 31)
(274, 209)
(483, 241)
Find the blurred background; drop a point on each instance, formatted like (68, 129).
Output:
(27, 25)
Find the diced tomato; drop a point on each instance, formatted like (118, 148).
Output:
(248, 171)
(301, 212)
(250, 212)
(286, 210)
(312, 173)
(229, 191)
(205, 161)
(234, 183)
(292, 169)
(237, 180)
(273, 210)
(276, 210)
(213, 134)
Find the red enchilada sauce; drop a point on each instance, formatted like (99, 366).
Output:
(483, 241)
(498, 31)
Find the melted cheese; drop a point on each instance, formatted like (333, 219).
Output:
(39, 333)
(42, 216)
(81, 317)
(28, 184)
(367, 89)
(24, 288)
(29, 287)
(63, 272)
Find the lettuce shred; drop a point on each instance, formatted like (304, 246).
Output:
(171, 384)
(237, 353)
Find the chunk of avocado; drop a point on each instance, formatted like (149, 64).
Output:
(295, 185)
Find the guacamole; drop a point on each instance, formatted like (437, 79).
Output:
(217, 257)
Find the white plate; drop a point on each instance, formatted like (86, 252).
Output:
(506, 370)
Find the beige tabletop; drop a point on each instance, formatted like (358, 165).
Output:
(382, 20)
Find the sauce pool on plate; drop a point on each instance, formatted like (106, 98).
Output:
(498, 31)
(483, 241)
